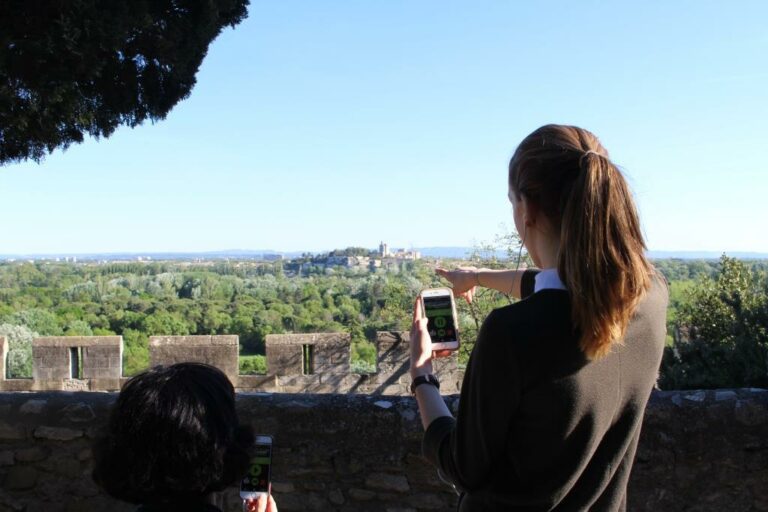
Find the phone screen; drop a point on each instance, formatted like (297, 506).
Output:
(439, 313)
(257, 478)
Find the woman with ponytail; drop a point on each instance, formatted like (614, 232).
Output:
(555, 389)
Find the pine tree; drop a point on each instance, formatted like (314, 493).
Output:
(86, 67)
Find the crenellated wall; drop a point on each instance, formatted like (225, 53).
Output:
(703, 451)
(296, 363)
(219, 351)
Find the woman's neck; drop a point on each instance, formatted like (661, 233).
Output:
(545, 249)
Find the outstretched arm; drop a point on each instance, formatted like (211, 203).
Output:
(465, 279)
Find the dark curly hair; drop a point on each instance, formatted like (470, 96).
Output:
(173, 436)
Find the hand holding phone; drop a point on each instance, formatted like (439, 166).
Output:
(263, 503)
(439, 308)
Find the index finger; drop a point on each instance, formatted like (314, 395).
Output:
(417, 309)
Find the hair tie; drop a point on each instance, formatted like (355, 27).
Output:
(588, 152)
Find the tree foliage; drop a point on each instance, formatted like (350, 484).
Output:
(250, 299)
(722, 337)
(81, 67)
(19, 360)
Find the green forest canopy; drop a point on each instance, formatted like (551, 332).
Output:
(717, 320)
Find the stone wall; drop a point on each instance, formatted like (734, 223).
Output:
(285, 372)
(327, 372)
(699, 451)
(70, 363)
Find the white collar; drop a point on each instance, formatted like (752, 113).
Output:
(548, 279)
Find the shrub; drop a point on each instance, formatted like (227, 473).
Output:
(19, 360)
(253, 365)
(724, 332)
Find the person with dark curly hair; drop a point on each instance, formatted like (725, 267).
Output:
(174, 440)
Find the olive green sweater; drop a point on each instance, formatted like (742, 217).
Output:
(540, 427)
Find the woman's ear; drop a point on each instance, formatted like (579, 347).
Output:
(530, 211)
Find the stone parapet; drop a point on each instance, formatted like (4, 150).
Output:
(220, 351)
(699, 450)
(296, 363)
(329, 354)
(73, 363)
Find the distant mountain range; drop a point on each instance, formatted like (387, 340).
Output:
(431, 252)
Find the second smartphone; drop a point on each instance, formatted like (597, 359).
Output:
(257, 481)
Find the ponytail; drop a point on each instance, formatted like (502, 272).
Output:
(601, 258)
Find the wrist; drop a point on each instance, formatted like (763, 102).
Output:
(420, 371)
(424, 380)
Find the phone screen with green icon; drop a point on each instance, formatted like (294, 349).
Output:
(256, 481)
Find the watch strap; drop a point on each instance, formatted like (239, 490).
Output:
(424, 379)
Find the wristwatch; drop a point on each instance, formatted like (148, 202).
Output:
(424, 379)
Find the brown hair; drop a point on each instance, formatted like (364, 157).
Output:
(567, 174)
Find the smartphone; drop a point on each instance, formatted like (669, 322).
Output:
(442, 323)
(256, 481)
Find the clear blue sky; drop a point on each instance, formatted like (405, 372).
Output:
(317, 125)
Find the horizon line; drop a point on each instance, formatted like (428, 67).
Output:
(233, 253)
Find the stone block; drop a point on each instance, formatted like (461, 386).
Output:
(387, 482)
(75, 385)
(332, 338)
(57, 373)
(266, 383)
(102, 384)
(20, 478)
(284, 360)
(79, 412)
(101, 373)
(336, 497)
(283, 487)
(16, 385)
(77, 341)
(6, 458)
(330, 353)
(393, 389)
(219, 351)
(34, 406)
(750, 414)
(34, 454)
(67, 467)
(361, 494)
(57, 433)
(92, 362)
(12, 432)
(47, 384)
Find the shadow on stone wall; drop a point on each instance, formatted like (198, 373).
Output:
(296, 363)
(699, 451)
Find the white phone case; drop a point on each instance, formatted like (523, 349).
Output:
(442, 292)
